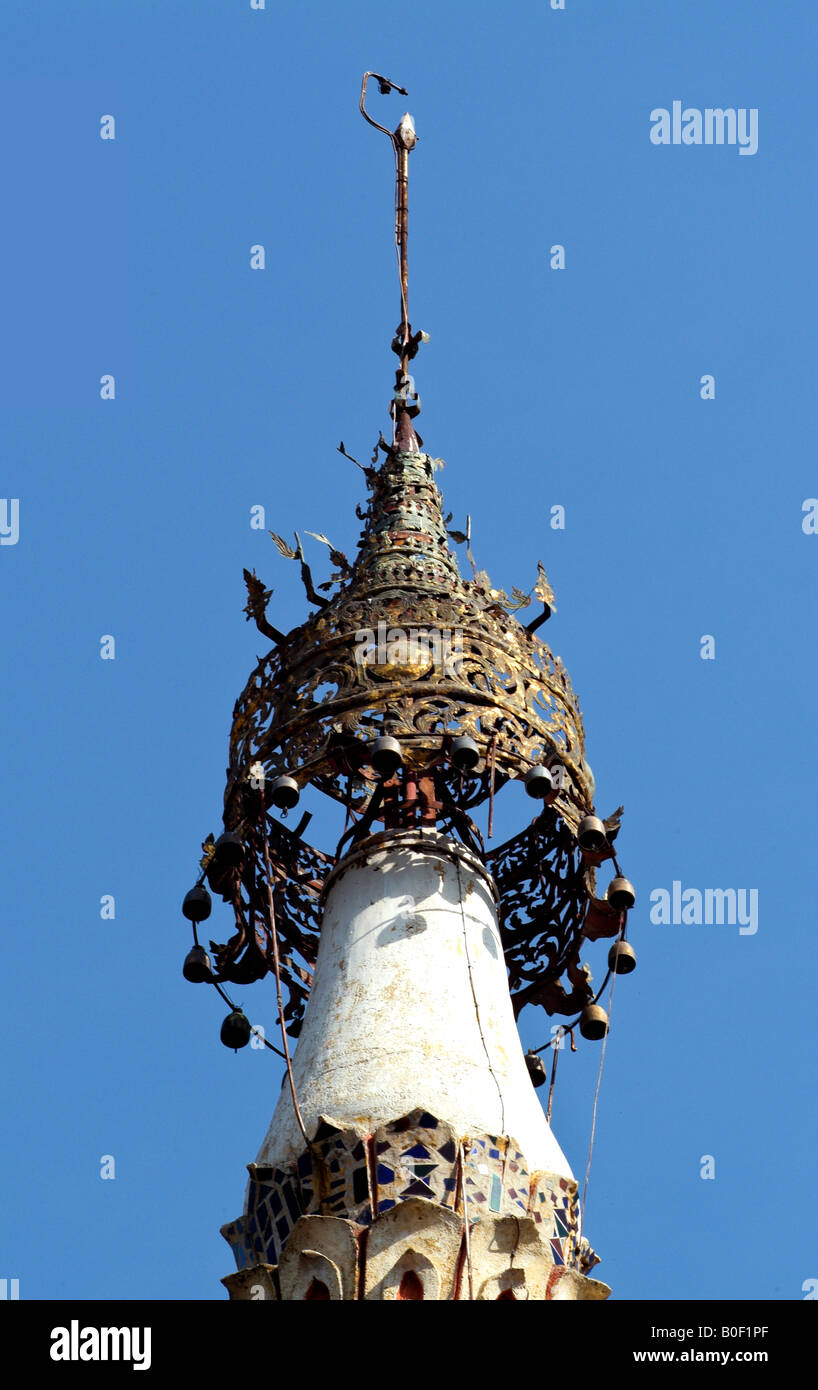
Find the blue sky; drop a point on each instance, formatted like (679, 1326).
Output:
(578, 387)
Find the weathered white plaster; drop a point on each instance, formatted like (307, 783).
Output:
(410, 1006)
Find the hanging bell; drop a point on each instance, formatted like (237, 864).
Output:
(385, 756)
(621, 894)
(285, 793)
(593, 1022)
(229, 849)
(196, 905)
(465, 753)
(539, 783)
(197, 967)
(591, 835)
(236, 1030)
(536, 1068)
(622, 958)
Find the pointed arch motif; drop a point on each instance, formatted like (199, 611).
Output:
(413, 1276)
(410, 1287)
(317, 1292)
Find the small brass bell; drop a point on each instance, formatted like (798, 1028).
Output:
(593, 1023)
(229, 849)
(591, 835)
(285, 793)
(465, 753)
(196, 905)
(621, 894)
(385, 756)
(539, 783)
(622, 958)
(236, 1030)
(197, 967)
(536, 1068)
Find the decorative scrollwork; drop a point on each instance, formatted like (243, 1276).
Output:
(544, 887)
(407, 646)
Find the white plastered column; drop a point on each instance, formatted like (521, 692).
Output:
(410, 1005)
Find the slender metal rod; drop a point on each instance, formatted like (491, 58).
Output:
(402, 140)
(402, 239)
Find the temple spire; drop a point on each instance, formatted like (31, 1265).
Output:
(408, 1156)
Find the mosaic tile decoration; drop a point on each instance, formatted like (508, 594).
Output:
(415, 1156)
(497, 1178)
(553, 1204)
(359, 1177)
(339, 1184)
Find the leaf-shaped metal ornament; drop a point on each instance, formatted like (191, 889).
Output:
(542, 588)
(256, 606)
(257, 596)
(283, 548)
(337, 556)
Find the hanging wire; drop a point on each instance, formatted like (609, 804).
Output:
(594, 1111)
(466, 1231)
(277, 969)
(553, 1078)
(474, 1000)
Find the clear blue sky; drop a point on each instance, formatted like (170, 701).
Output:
(540, 387)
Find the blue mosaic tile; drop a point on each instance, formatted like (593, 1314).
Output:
(416, 1151)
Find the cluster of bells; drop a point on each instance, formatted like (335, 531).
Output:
(593, 1021)
(236, 1029)
(386, 757)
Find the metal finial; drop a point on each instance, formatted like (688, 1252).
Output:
(405, 344)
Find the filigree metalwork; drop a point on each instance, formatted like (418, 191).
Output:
(405, 645)
(544, 884)
(299, 872)
(502, 685)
